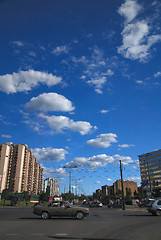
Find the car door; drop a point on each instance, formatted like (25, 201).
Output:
(66, 210)
(53, 209)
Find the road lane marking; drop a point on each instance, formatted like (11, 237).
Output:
(61, 234)
(37, 234)
(11, 234)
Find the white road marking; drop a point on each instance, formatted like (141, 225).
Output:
(61, 234)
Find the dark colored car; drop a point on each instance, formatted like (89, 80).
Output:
(146, 203)
(60, 209)
(95, 205)
(115, 205)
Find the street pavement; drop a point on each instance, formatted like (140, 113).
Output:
(102, 223)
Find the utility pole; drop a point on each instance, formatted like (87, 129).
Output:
(123, 199)
(69, 181)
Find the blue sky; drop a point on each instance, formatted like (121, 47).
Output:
(80, 84)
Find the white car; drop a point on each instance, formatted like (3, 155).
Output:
(155, 208)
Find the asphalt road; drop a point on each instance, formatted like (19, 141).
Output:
(102, 223)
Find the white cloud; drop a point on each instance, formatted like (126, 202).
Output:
(97, 83)
(103, 140)
(135, 179)
(126, 145)
(60, 50)
(140, 82)
(98, 182)
(137, 37)
(49, 154)
(60, 123)
(96, 70)
(158, 74)
(124, 159)
(104, 111)
(6, 136)
(129, 10)
(49, 102)
(18, 43)
(51, 172)
(109, 179)
(26, 80)
(92, 163)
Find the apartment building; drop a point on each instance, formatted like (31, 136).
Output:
(150, 168)
(19, 170)
(130, 187)
(54, 186)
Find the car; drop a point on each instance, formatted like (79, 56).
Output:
(155, 208)
(115, 205)
(95, 204)
(60, 209)
(146, 203)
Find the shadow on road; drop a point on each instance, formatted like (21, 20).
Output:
(138, 215)
(50, 219)
(74, 238)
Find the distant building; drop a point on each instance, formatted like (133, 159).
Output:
(107, 190)
(130, 188)
(54, 186)
(150, 168)
(19, 170)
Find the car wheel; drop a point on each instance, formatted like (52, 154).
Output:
(79, 215)
(45, 215)
(158, 212)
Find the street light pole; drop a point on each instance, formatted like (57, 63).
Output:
(123, 199)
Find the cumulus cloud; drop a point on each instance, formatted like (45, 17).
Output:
(61, 123)
(49, 154)
(136, 35)
(93, 162)
(26, 81)
(50, 172)
(97, 72)
(50, 102)
(103, 140)
(129, 10)
(60, 50)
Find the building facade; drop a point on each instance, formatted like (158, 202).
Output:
(130, 188)
(19, 170)
(150, 168)
(54, 186)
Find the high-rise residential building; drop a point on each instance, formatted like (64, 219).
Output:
(19, 170)
(150, 168)
(54, 186)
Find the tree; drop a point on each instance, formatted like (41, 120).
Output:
(43, 197)
(48, 191)
(25, 196)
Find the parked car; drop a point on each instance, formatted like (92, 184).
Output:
(60, 209)
(115, 205)
(155, 208)
(146, 203)
(95, 204)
